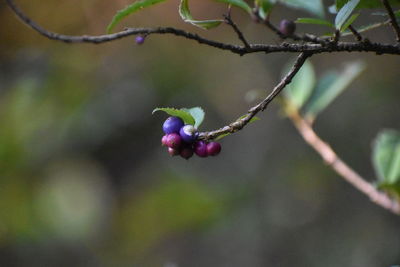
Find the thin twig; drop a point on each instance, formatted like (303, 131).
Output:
(393, 20)
(244, 120)
(356, 34)
(229, 21)
(237, 49)
(340, 167)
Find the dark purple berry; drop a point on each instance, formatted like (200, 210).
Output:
(140, 39)
(172, 125)
(186, 152)
(173, 151)
(164, 140)
(213, 148)
(200, 148)
(188, 133)
(174, 140)
(287, 27)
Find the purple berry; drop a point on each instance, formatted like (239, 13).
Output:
(188, 133)
(174, 140)
(140, 39)
(200, 148)
(213, 148)
(186, 152)
(287, 27)
(173, 152)
(172, 125)
(164, 140)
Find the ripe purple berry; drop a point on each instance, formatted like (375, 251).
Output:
(172, 125)
(174, 140)
(213, 148)
(188, 133)
(186, 152)
(140, 39)
(287, 27)
(173, 152)
(200, 148)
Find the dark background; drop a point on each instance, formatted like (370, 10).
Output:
(85, 182)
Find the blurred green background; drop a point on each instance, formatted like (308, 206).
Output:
(85, 182)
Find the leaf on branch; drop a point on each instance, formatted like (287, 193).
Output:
(238, 3)
(264, 7)
(181, 113)
(344, 13)
(299, 90)
(315, 21)
(329, 87)
(349, 22)
(132, 8)
(197, 113)
(313, 6)
(184, 11)
(386, 157)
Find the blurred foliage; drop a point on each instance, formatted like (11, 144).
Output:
(84, 182)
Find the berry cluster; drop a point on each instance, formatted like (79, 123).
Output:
(183, 140)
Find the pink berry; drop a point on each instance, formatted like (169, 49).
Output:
(200, 148)
(164, 140)
(173, 152)
(213, 148)
(174, 140)
(186, 152)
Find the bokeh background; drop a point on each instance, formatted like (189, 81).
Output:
(85, 182)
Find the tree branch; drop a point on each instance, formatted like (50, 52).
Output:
(340, 167)
(244, 120)
(229, 21)
(356, 34)
(392, 17)
(237, 49)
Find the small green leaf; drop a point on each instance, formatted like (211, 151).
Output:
(197, 114)
(299, 90)
(181, 113)
(241, 117)
(386, 156)
(313, 6)
(132, 8)
(315, 21)
(329, 87)
(349, 22)
(184, 11)
(345, 12)
(238, 3)
(264, 7)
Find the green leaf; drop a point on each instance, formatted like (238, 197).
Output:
(366, 3)
(315, 21)
(132, 8)
(181, 113)
(241, 117)
(197, 114)
(345, 12)
(238, 3)
(313, 6)
(386, 156)
(349, 22)
(329, 87)
(299, 90)
(264, 7)
(184, 11)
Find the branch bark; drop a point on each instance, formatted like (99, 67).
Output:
(393, 20)
(340, 167)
